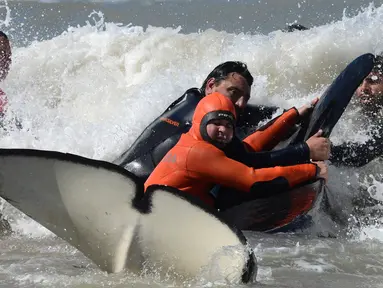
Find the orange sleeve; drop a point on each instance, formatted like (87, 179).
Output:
(212, 164)
(266, 139)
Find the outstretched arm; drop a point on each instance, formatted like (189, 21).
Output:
(269, 135)
(208, 162)
(291, 155)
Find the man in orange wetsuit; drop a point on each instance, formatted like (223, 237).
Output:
(196, 163)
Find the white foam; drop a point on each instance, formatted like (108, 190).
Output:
(22, 224)
(371, 233)
(319, 266)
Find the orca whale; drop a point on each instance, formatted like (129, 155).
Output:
(101, 209)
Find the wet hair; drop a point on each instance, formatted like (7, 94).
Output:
(223, 70)
(2, 34)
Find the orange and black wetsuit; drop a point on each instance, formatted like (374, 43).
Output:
(194, 165)
(164, 132)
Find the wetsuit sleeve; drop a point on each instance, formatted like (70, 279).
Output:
(357, 154)
(291, 155)
(268, 136)
(211, 164)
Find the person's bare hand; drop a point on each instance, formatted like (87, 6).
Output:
(305, 109)
(319, 146)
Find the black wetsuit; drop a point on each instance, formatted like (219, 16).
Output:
(359, 154)
(164, 132)
(365, 209)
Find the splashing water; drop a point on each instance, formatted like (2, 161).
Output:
(92, 90)
(7, 21)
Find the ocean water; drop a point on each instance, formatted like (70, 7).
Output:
(87, 77)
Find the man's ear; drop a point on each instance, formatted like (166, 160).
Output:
(209, 86)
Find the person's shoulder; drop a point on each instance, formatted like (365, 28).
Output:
(193, 91)
(205, 149)
(192, 95)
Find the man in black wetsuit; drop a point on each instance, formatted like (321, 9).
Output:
(233, 80)
(370, 96)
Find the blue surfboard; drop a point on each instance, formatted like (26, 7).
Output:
(335, 99)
